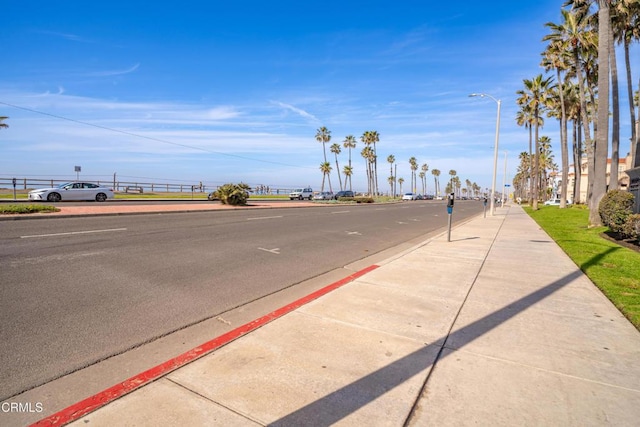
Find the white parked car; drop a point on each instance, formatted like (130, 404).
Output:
(325, 195)
(555, 202)
(301, 193)
(72, 191)
(410, 196)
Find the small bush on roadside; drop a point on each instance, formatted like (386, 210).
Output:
(233, 194)
(614, 208)
(346, 199)
(27, 209)
(631, 227)
(363, 199)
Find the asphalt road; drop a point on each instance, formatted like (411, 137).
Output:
(76, 291)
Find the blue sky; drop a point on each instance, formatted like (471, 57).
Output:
(234, 91)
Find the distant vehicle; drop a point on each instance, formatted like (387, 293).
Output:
(301, 193)
(72, 191)
(555, 202)
(409, 196)
(344, 193)
(325, 195)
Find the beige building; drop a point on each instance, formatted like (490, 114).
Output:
(623, 178)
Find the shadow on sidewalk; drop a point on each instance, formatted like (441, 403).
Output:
(341, 403)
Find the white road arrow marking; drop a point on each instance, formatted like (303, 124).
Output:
(273, 251)
(357, 233)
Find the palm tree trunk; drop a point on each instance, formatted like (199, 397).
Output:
(577, 161)
(338, 170)
(601, 142)
(635, 155)
(615, 100)
(536, 162)
(530, 164)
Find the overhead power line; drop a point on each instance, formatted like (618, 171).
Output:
(163, 141)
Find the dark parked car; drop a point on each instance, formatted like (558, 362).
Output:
(345, 193)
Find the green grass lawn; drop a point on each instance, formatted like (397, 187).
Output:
(612, 268)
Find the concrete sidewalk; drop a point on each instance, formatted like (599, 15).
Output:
(496, 327)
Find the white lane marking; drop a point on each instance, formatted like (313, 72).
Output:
(264, 217)
(340, 212)
(70, 233)
(273, 251)
(357, 233)
(400, 222)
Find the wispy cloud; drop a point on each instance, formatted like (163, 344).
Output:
(297, 110)
(109, 73)
(66, 36)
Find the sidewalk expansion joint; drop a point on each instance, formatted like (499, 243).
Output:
(422, 390)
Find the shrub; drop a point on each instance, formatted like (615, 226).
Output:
(233, 194)
(363, 199)
(631, 227)
(27, 209)
(614, 208)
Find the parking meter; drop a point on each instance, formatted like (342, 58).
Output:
(450, 202)
(484, 203)
(14, 188)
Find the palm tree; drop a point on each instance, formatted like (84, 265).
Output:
(436, 179)
(556, 57)
(375, 138)
(425, 169)
(348, 172)
(536, 93)
(391, 159)
(546, 161)
(414, 167)
(368, 155)
(525, 118)
(601, 145)
(452, 173)
(625, 22)
(326, 173)
(400, 181)
(335, 149)
(3, 125)
(349, 143)
(323, 135)
(576, 31)
(422, 175)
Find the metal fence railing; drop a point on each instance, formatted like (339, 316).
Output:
(140, 187)
(23, 184)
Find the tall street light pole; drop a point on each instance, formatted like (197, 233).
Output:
(495, 152)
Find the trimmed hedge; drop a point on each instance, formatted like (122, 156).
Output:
(614, 209)
(631, 227)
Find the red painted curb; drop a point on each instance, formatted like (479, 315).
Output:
(107, 396)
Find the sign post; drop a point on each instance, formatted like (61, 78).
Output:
(77, 170)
